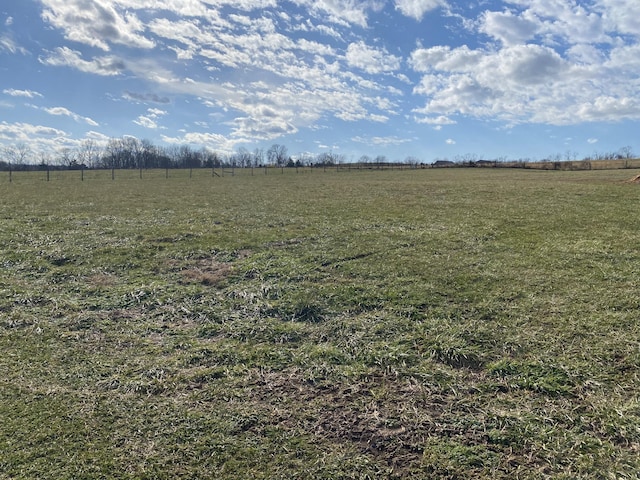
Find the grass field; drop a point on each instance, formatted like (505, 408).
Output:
(454, 323)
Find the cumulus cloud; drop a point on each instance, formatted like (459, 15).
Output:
(418, 8)
(437, 121)
(213, 141)
(522, 83)
(97, 23)
(21, 93)
(41, 139)
(305, 78)
(528, 65)
(508, 27)
(20, 131)
(371, 60)
(68, 113)
(150, 119)
(269, 73)
(156, 112)
(146, 122)
(343, 12)
(551, 22)
(65, 57)
(98, 137)
(548, 67)
(621, 16)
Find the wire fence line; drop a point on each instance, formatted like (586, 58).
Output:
(36, 174)
(50, 175)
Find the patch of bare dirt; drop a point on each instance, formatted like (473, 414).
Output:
(388, 418)
(102, 280)
(207, 273)
(210, 271)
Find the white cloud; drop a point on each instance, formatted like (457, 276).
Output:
(381, 141)
(187, 33)
(526, 65)
(527, 83)
(548, 20)
(270, 72)
(97, 136)
(97, 23)
(24, 130)
(591, 141)
(508, 28)
(621, 16)
(21, 93)
(41, 139)
(450, 141)
(609, 108)
(156, 112)
(305, 79)
(68, 113)
(371, 60)
(418, 8)
(438, 121)
(327, 30)
(585, 54)
(65, 57)
(150, 120)
(564, 78)
(58, 111)
(146, 97)
(8, 44)
(210, 140)
(344, 12)
(146, 122)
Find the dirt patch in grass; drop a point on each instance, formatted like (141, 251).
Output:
(207, 273)
(387, 418)
(210, 271)
(102, 280)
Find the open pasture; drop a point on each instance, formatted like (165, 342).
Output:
(454, 323)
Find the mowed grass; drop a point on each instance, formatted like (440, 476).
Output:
(408, 324)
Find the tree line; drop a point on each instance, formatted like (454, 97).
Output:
(132, 153)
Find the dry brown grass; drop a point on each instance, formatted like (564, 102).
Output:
(207, 273)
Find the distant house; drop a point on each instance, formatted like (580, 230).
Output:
(486, 163)
(443, 163)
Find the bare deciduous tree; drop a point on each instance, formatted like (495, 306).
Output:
(277, 155)
(89, 153)
(16, 155)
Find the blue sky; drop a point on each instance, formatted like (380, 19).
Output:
(423, 78)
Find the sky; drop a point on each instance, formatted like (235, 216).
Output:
(429, 79)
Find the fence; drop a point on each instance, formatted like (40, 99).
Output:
(50, 175)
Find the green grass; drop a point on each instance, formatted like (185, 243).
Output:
(402, 324)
